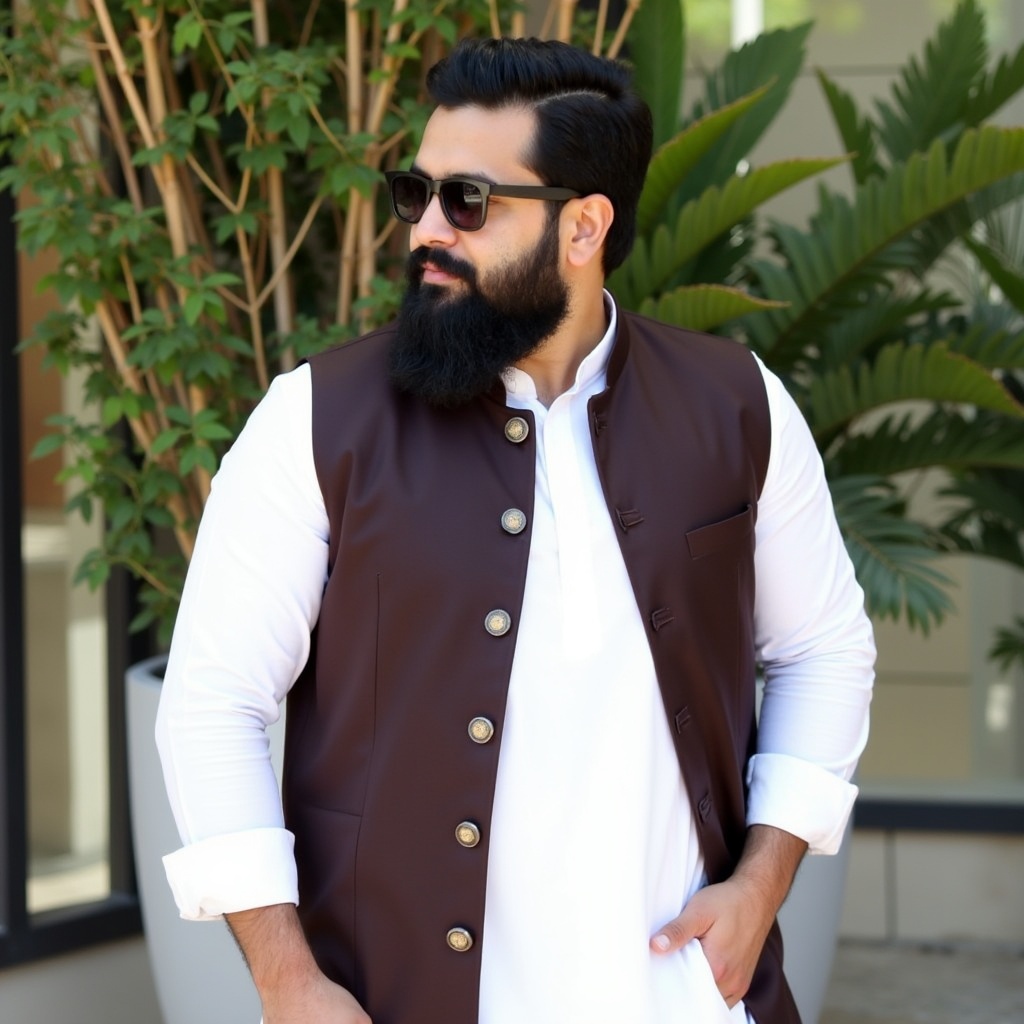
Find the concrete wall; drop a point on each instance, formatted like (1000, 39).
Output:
(109, 984)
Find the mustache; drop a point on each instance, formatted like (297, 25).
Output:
(443, 260)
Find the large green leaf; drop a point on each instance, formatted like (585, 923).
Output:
(1009, 279)
(884, 316)
(654, 262)
(674, 160)
(988, 512)
(930, 94)
(856, 132)
(657, 47)
(892, 556)
(905, 442)
(933, 237)
(851, 243)
(903, 373)
(995, 348)
(773, 57)
(995, 89)
(700, 307)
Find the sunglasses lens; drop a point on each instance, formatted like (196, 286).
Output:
(409, 197)
(463, 204)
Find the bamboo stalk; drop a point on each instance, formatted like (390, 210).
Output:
(124, 78)
(518, 24)
(620, 35)
(284, 311)
(112, 118)
(549, 17)
(143, 427)
(347, 269)
(354, 66)
(566, 11)
(602, 19)
(165, 172)
(307, 24)
(293, 248)
(367, 259)
(255, 323)
(492, 6)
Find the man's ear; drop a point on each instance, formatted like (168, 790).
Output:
(587, 220)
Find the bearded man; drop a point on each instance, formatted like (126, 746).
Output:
(513, 561)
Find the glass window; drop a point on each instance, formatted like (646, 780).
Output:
(65, 652)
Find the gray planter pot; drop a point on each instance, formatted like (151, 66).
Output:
(199, 973)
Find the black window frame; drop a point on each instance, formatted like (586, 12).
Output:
(24, 936)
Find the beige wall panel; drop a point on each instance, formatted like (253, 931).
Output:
(918, 731)
(959, 888)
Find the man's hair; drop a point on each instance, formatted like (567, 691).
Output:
(593, 131)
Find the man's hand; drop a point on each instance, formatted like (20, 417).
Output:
(320, 1001)
(292, 988)
(732, 919)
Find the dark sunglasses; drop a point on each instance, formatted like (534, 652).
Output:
(463, 200)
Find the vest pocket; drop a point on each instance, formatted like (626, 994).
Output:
(706, 540)
(325, 854)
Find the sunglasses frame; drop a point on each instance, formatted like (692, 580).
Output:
(486, 188)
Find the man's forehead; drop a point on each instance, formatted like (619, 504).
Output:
(474, 142)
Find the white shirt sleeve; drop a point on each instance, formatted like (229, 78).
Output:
(241, 639)
(814, 641)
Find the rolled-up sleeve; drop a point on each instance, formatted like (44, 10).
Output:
(241, 639)
(814, 642)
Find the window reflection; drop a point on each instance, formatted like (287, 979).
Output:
(65, 655)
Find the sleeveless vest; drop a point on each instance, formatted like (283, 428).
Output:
(394, 726)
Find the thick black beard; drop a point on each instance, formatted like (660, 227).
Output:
(449, 349)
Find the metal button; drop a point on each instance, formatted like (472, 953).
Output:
(460, 940)
(513, 520)
(517, 429)
(498, 622)
(481, 730)
(467, 833)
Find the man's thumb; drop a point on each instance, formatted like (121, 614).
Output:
(678, 932)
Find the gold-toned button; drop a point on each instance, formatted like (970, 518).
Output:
(517, 429)
(513, 520)
(498, 622)
(467, 833)
(481, 730)
(460, 940)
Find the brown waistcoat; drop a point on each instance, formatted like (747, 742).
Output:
(380, 766)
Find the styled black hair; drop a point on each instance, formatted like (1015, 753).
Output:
(593, 131)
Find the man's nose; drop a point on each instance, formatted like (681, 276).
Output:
(432, 229)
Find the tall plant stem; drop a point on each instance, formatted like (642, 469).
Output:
(620, 33)
(602, 20)
(566, 10)
(284, 311)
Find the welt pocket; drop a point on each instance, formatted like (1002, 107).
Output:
(706, 540)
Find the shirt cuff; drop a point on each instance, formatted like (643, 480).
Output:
(800, 798)
(232, 872)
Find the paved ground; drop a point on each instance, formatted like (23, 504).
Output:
(884, 984)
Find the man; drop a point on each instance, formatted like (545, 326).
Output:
(501, 558)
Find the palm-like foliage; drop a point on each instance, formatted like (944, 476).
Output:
(898, 376)
(894, 378)
(693, 218)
